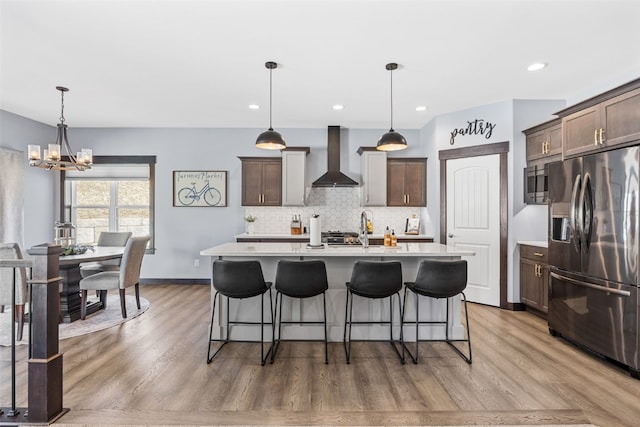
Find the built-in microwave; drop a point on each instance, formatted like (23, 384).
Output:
(536, 185)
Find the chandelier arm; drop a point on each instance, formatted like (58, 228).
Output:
(70, 154)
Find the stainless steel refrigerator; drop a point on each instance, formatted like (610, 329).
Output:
(594, 253)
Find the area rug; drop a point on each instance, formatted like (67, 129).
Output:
(102, 319)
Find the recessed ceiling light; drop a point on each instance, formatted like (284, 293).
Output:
(536, 66)
(421, 108)
(338, 107)
(254, 107)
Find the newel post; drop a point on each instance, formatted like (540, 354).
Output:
(45, 363)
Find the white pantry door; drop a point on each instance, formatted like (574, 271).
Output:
(473, 222)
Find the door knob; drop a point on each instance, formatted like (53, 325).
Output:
(450, 234)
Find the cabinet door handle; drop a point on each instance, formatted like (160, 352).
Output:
(538, 270)
(601, 139)
(538, 254)
(544, 146)
(595, 137)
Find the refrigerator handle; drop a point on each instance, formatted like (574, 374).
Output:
(575, 215)
(613, 291)
(586, 208)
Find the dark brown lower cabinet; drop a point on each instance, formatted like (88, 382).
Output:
(534, 278)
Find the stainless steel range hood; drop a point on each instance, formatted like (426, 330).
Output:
(333, 177)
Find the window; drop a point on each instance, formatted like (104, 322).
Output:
(116, 194)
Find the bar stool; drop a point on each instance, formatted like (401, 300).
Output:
(301, 279)
(439, 279)
(373, 279)
(239, 280)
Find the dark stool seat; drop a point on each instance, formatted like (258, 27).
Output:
(300, 279)
(373, 279)
(239, 280)
(439, 279)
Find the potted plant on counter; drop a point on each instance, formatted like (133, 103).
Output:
(250, 220)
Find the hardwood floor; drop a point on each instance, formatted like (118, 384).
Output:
(152, 370)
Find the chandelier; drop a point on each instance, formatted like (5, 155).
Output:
(52, 159)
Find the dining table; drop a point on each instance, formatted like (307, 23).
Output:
(70, 274)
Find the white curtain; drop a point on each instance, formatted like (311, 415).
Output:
(11, 195)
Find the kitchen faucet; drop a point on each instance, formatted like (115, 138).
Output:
(364, 237)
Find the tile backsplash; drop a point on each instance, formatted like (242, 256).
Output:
(339, 210)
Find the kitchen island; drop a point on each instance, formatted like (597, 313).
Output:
(339, 261)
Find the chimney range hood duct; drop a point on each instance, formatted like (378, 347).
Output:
(333, 177)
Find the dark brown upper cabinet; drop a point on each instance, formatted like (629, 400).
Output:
(261, 181)
(544, 142)
(609, 120)
(407, 182)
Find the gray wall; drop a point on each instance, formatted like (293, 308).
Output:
(510, 118)
(40, 189)
(181, 233)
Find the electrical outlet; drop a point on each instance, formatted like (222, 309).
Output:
(196, 262)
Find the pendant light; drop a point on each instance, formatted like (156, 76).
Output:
(52, 156)
(392, 140)
(270, 139)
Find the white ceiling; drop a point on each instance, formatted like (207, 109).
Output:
(201, 63)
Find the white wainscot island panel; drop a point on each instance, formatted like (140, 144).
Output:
(339, 261)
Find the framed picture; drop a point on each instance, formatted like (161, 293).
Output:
(200, 188)
(412, 226)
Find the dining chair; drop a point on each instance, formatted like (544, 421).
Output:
(106, 238)
(128, 275)
(11, 251)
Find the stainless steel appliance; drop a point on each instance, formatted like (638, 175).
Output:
(594, 253)
(536, 184)
(340, 238)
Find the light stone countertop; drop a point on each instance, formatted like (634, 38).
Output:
(539, 243)
(301, 249)
(306, 236)
(272, 236)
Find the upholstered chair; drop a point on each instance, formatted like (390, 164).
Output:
(107, 238)
(11, 251)
(128, 275)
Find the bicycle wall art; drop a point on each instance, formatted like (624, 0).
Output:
(200, 188)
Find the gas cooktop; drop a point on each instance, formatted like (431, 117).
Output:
(340, 238)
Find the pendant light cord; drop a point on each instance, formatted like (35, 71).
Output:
(270, 96)
(391, 99)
